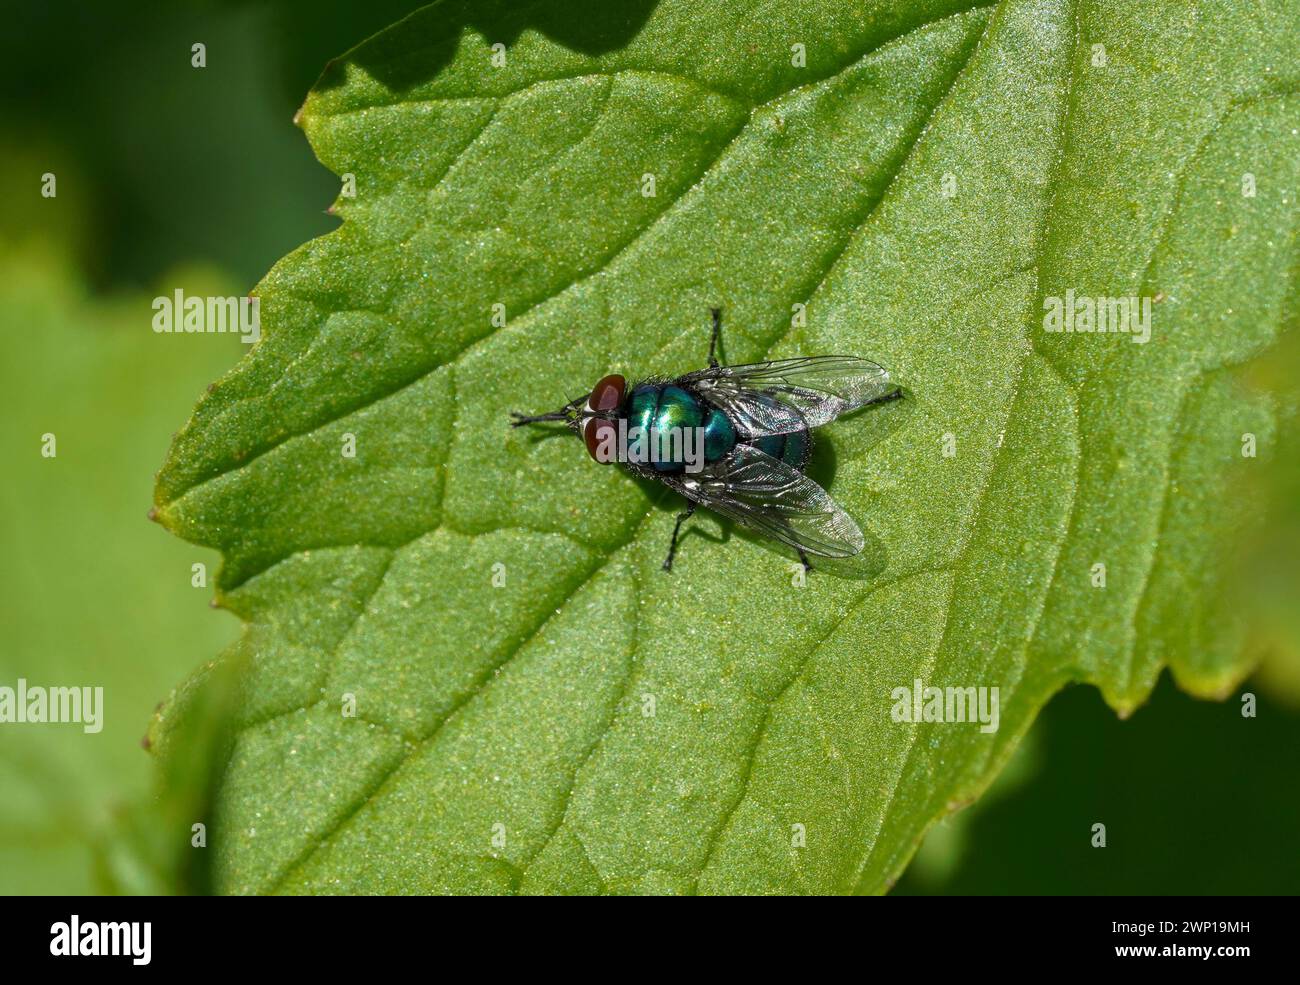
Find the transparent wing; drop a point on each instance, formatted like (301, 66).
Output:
(768, 496)
(792, 394)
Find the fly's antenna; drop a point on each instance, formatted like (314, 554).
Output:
(521, 419)
(565, 414)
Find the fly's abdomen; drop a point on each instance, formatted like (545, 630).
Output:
(789, 448)
(793, 449)
(719, 435)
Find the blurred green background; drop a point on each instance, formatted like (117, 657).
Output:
(170, 176)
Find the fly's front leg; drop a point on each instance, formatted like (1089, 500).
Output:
(681, 518)
(717, 333)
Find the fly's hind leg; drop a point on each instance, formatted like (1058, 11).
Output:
(803, 559)
(716, 313)
(682, 517)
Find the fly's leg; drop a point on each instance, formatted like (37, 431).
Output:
(803, 559)
(682, 517)
(717, 332)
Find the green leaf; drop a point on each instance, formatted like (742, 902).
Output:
(921, 183)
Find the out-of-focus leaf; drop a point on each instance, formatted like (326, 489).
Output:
(93, 595)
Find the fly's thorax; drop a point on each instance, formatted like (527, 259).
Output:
(662, 419)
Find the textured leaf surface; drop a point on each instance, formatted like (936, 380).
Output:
(921, 184)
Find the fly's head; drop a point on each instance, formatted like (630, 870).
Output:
(593, 416)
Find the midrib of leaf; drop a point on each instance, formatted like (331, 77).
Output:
(928, 671)
(852, 609)
(1054, 187)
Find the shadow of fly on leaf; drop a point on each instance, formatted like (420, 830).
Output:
(736, 440)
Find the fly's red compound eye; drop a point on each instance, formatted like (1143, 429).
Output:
(600, 437)
(607, 394)
(599, 434)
